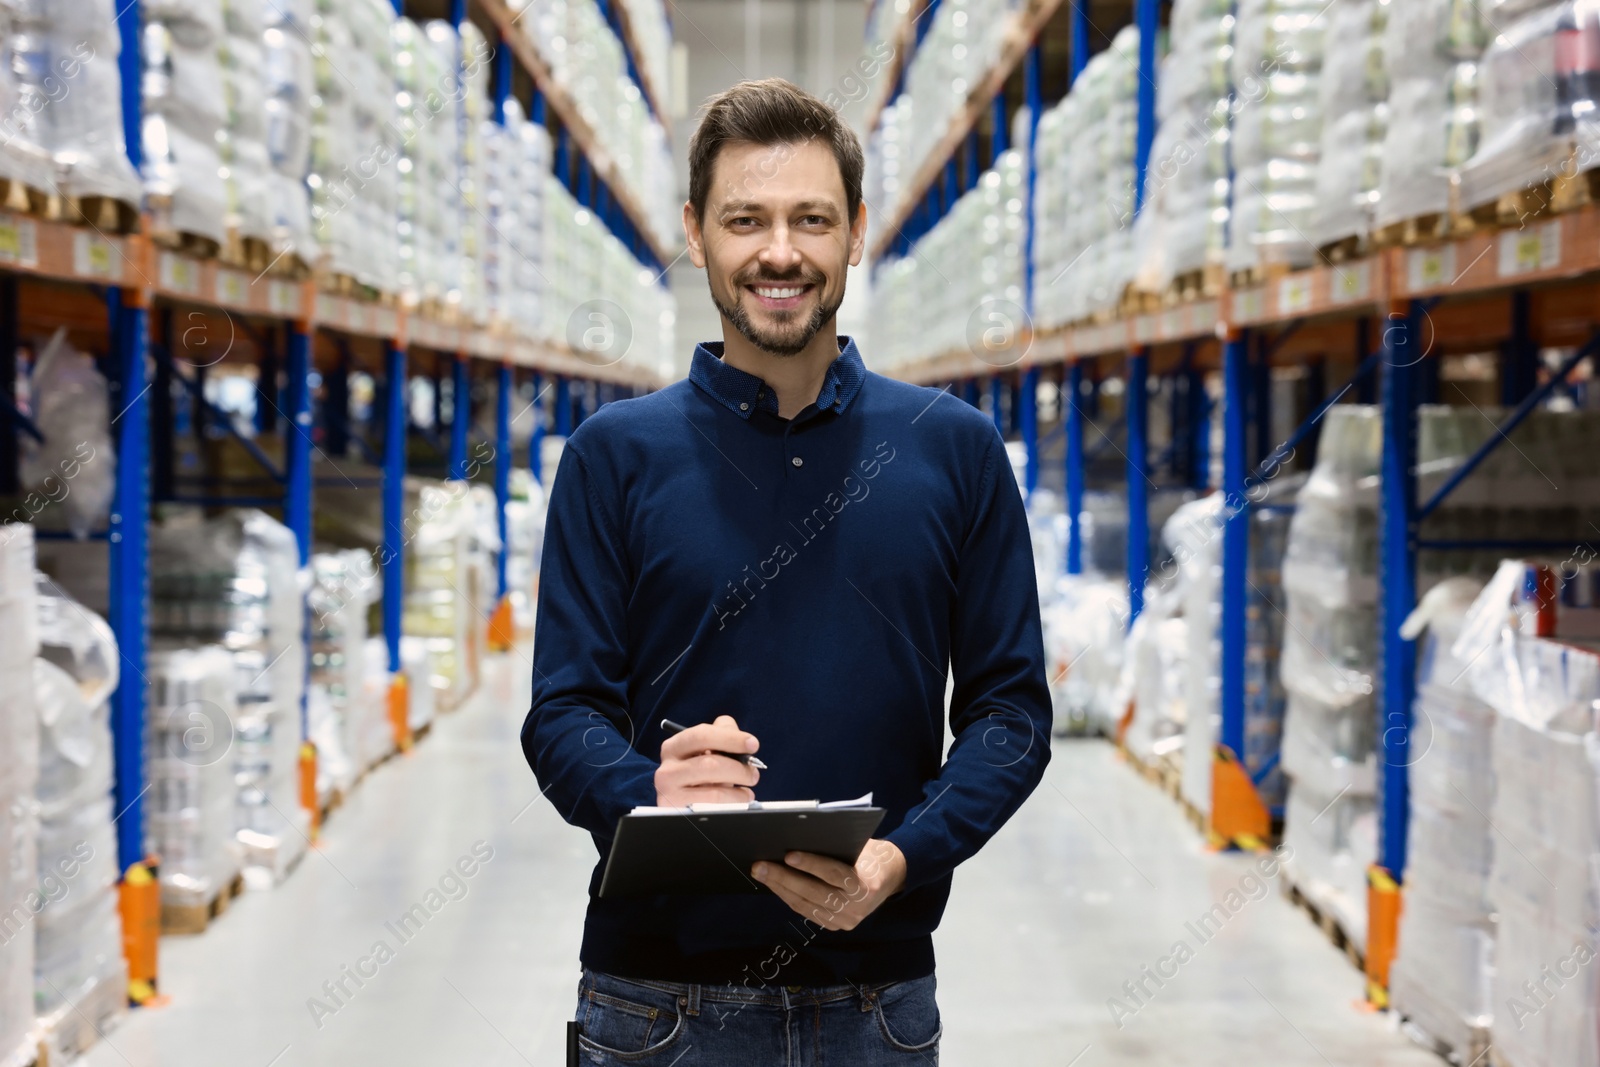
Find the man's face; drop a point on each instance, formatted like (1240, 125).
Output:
(776, 241)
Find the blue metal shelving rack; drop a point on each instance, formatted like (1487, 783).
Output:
(146, 418)
(1241, 333)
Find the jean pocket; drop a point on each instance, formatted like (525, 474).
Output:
(908, 1016)
(615, 1027)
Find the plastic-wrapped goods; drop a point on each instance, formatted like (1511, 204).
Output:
(586, 57)
(1538, 88)
(1277, 131)
(429, 198)
(1085, 635)
(1355, 115)
(64, 60)
(236, 581)
(1153, 668)
(652, 38)
(932, 310)
(1193, 536)
(190, 730)
(355, 142)
(1430, 52)
(20, 899)
(1183, 225)
(517, 156)
(184, 110)
(75, 466)
(340, 595)
(525, 514)
(23, 155)
(1441, 979)
(1084, 250)
(374, 733)
(78, 936)
(448, 588)
(473, 175)
(290, 86)
(963, 42)
(599, 301)
(242, 141)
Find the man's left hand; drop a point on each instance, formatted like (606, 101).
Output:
(835, 895)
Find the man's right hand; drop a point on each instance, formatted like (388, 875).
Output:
(691, 772)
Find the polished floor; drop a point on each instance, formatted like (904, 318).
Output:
(1095, 879)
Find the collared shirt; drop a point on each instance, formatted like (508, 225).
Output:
(817, 578)
(744, 394)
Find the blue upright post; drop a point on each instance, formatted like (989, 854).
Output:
(997, 405)
(1261, 410)
(1519, 361)
(969, 161)
(502, 470)
(536, 438)
(394, 500)
(129, 558)
(1035, 95)
(1145, 17)
(969, 392)
(297, 440)
(460, 415)
(267, 389)
(1235, 539)
(997, 143)
(1080, 39)
(129, 568)
(1397, 582)
(1072, 408)
(536, 107)
(1137, 399)
(1030, 426)
(502, 79)
(336, 406)
(563, 406)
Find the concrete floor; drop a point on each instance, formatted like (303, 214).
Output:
(1094, 879)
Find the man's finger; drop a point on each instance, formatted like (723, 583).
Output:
(723, 735)
(826, 868)
(814, 890)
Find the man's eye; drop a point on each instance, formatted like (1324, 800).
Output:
(815, 220)
(742, 220)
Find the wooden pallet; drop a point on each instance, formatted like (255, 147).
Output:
(244, 252)
(194, 918)
(23, 198)
(73, 1029)
(1257, 275)
(190, 244)
(104, 213)
(1202, 284)
(1328, 923)
(1345, 249)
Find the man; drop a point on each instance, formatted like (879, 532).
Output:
(785, 551)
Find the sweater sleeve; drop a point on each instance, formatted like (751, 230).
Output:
(578, 736)
(1000, 712)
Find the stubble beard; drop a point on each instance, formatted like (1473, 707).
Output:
(790, 343)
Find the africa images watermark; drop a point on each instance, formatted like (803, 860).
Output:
(54, 887)
(452, 887)
(1251, 889)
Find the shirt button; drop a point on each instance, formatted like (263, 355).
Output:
(798, 462)
(744, 407)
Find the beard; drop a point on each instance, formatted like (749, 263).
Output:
(791, 336)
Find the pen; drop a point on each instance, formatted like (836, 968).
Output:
(674, 728)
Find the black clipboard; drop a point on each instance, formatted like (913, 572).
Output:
(713, 851)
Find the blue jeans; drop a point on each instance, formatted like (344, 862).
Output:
(670, 1024)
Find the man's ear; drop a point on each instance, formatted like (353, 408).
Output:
(858, 234)
(693, 237)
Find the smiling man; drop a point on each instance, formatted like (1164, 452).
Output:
(791, 553)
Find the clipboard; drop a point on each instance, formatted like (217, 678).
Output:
(700, 852)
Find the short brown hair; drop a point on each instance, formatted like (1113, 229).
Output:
(771, 111)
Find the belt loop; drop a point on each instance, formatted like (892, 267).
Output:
(693, 1005)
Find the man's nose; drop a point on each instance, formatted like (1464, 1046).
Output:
(780, 255)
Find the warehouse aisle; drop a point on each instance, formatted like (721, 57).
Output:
(1096, 878)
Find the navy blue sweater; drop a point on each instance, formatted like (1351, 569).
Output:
(815, 578)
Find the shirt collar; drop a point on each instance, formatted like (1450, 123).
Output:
(743, 393)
